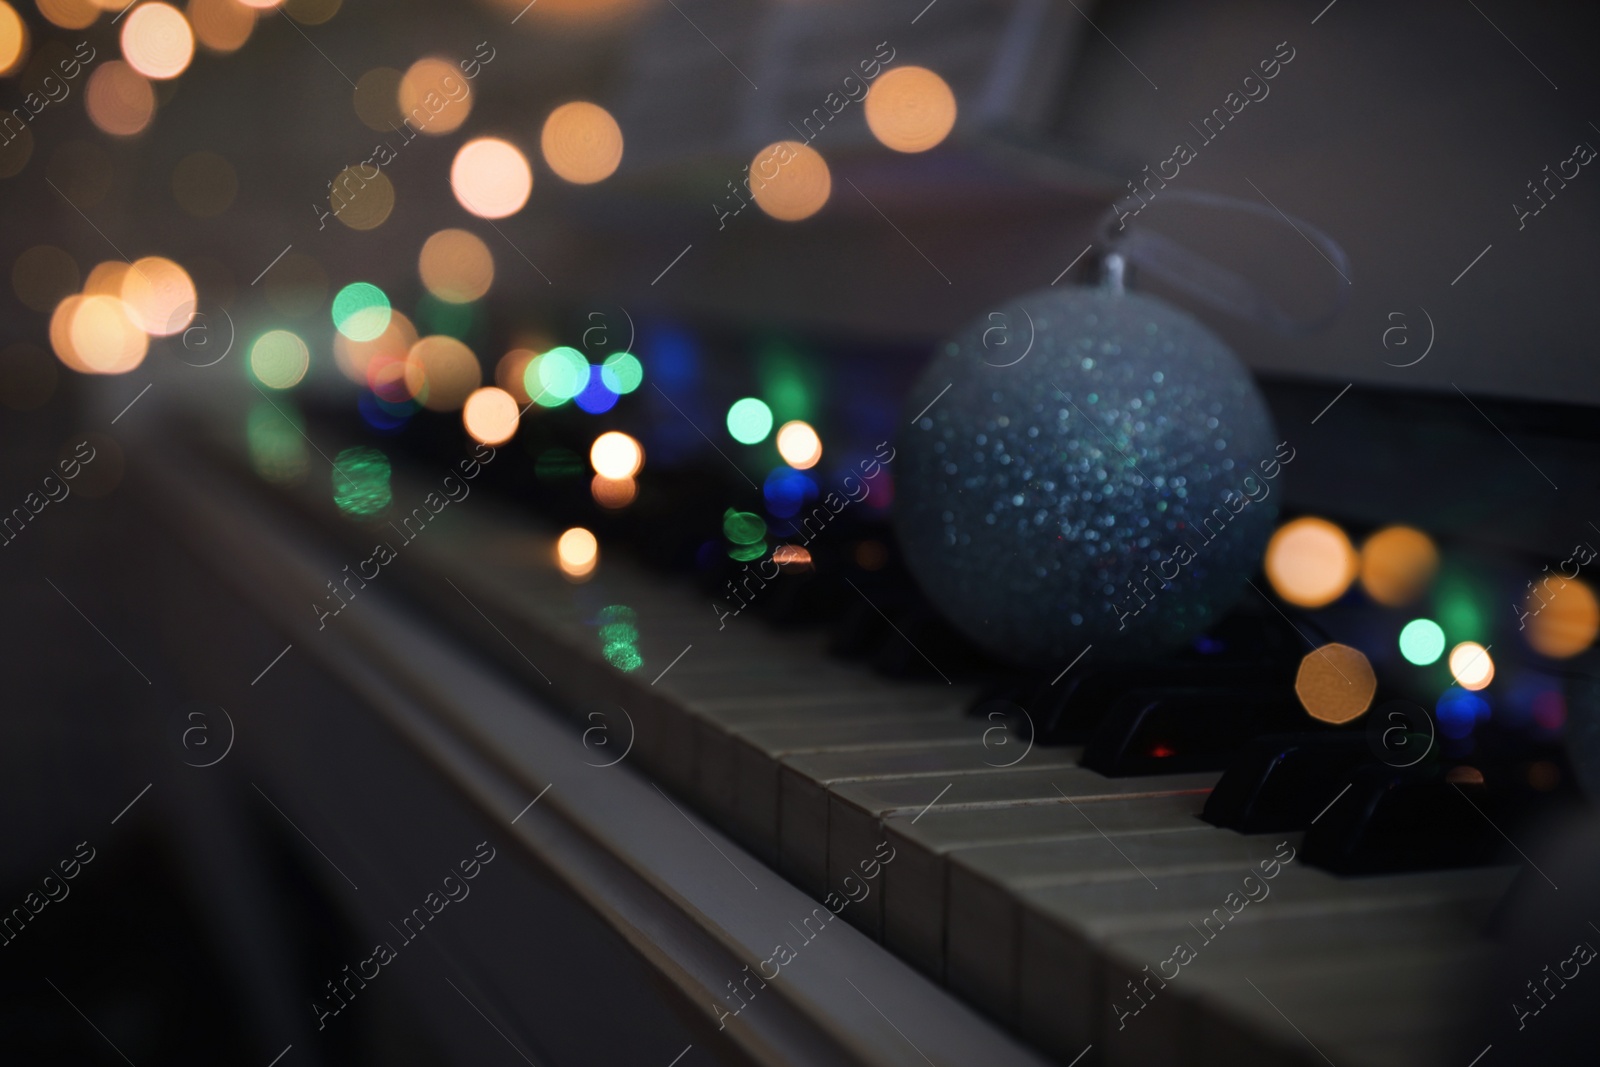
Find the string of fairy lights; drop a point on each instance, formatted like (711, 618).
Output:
(103, 323)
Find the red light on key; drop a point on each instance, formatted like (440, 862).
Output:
(1162, 752)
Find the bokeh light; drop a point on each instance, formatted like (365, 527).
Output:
(1459, 711)
(799, 445)
(490, 416)
(910, 109)
(361, 203)
(434, 97)
(509, 372)
(279, 359)
(456, 266)
(616, 455)
(1398, 564)
(1563, 617)
(221, 25)
(356, 359)
(622, 372)
(157, 41)
(106, 279)
(1471, 665)
(790, 181)
(613, 493)
(43, 276)
(261, 5)
(159, 296)
(13, 39)
(596, 397)
(361, 311)
(119, 99)
(786, 491)
(361, 481)
(61, 333)
(104, 337)
(442, 372)
(577, 552)
(1422, 642)
(749, 421)
(311, 12)
(792, 557)
(69, 14)
(491, 178)
(556, 376)
(1310, 562)
(377, 99)
(277, 444)
(204, 184)
(581, 142)
(1335, 683)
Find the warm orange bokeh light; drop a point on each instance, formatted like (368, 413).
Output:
(355, 359)
(1310, 562)
(799, 445)
(159, 296)
(435, 98)
(490, 416)
(13, 39)
(615, 455)
(1471, 665)
(581, 142)
(69, 14)
(442, 372)
(104, 338)
(221, 25)
(790, 181)
(910, 109)
(456, 266)
(119, 99)
(106, 279)
(509, 371)
(491, 178)
(157, 41)
(613, 493)
(1335, 683)
(577, 552)
(1563, 617)
(794, 557)
(1397, 565)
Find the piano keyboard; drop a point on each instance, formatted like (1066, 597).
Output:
(1044, 893)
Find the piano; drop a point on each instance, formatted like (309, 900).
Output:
(679, 735)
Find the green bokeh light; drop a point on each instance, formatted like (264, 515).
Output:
(789, 383)
(622, 372)
(749, 421)
(361, 311)
(277, 449)
(743, 528)
(1422, 642)
(556, 377)
(619, 634)
(746, 553)
(361, 481)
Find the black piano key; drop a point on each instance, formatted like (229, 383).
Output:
(1280, 782)
(1173, 730)
(1411, 819)
(1069, 711)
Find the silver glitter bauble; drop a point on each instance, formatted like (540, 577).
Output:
(1098, 468)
